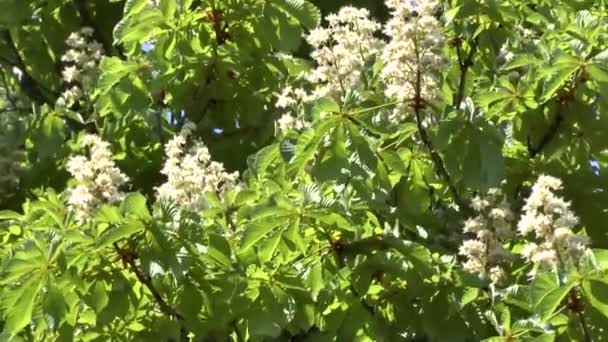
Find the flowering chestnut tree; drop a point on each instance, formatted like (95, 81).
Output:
(255, 170)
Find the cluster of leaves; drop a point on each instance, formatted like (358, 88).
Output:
(347, 230)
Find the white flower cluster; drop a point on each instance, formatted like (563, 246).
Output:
(80, 70)
(99, 180)
(550, 218)
(341, 51)
(412, 56)
(492, 226)
(191, 172)
(290, 99)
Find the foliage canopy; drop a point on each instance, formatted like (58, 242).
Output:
(270, 170)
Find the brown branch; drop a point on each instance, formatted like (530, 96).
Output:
(146, 280)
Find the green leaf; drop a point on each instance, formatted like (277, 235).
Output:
(565, 67)
(133, 7)
(51, 136)
(469, 295)
(20, 313)
(598, 73)
(483, 164)
(97, 297)
(260, 162)
(269, 246)
(114, 234)
(308, 144)
(219, 251)
(325, 105)
(544, 338)
(168, 8)
(54, 305)
(10, 215)
(305, 12)
(135, 205)
(595, 294)
(520, 60)
(601, 257)
(546, 294)
(138, 27)
(113, 70)
(13, 12)
(362, 148)
(394, 162)
(315, 280)
(108, 214)
(259, 230)
(289, 33)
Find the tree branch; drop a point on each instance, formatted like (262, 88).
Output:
(549, 135)
(440, 168)
(146, 280)
(87, 20)
(576, 305)
(464, 63)
(34, 90)
(371, 245)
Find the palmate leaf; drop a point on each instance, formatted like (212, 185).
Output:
(25, 275)
(563, 68)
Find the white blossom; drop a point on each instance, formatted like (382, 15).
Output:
(287, 122)
(80, 70)
(492, 226)
(191, 172)
(291, 99)
(98, 179)
(341, 50)
(412, 56)
(551, 220)
(286, 100)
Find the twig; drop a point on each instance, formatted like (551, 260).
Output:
(584, 328)
(464, 64)
(577, 305)
(547, 137)
(146, 280)
(339, 250)
(435, 157)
